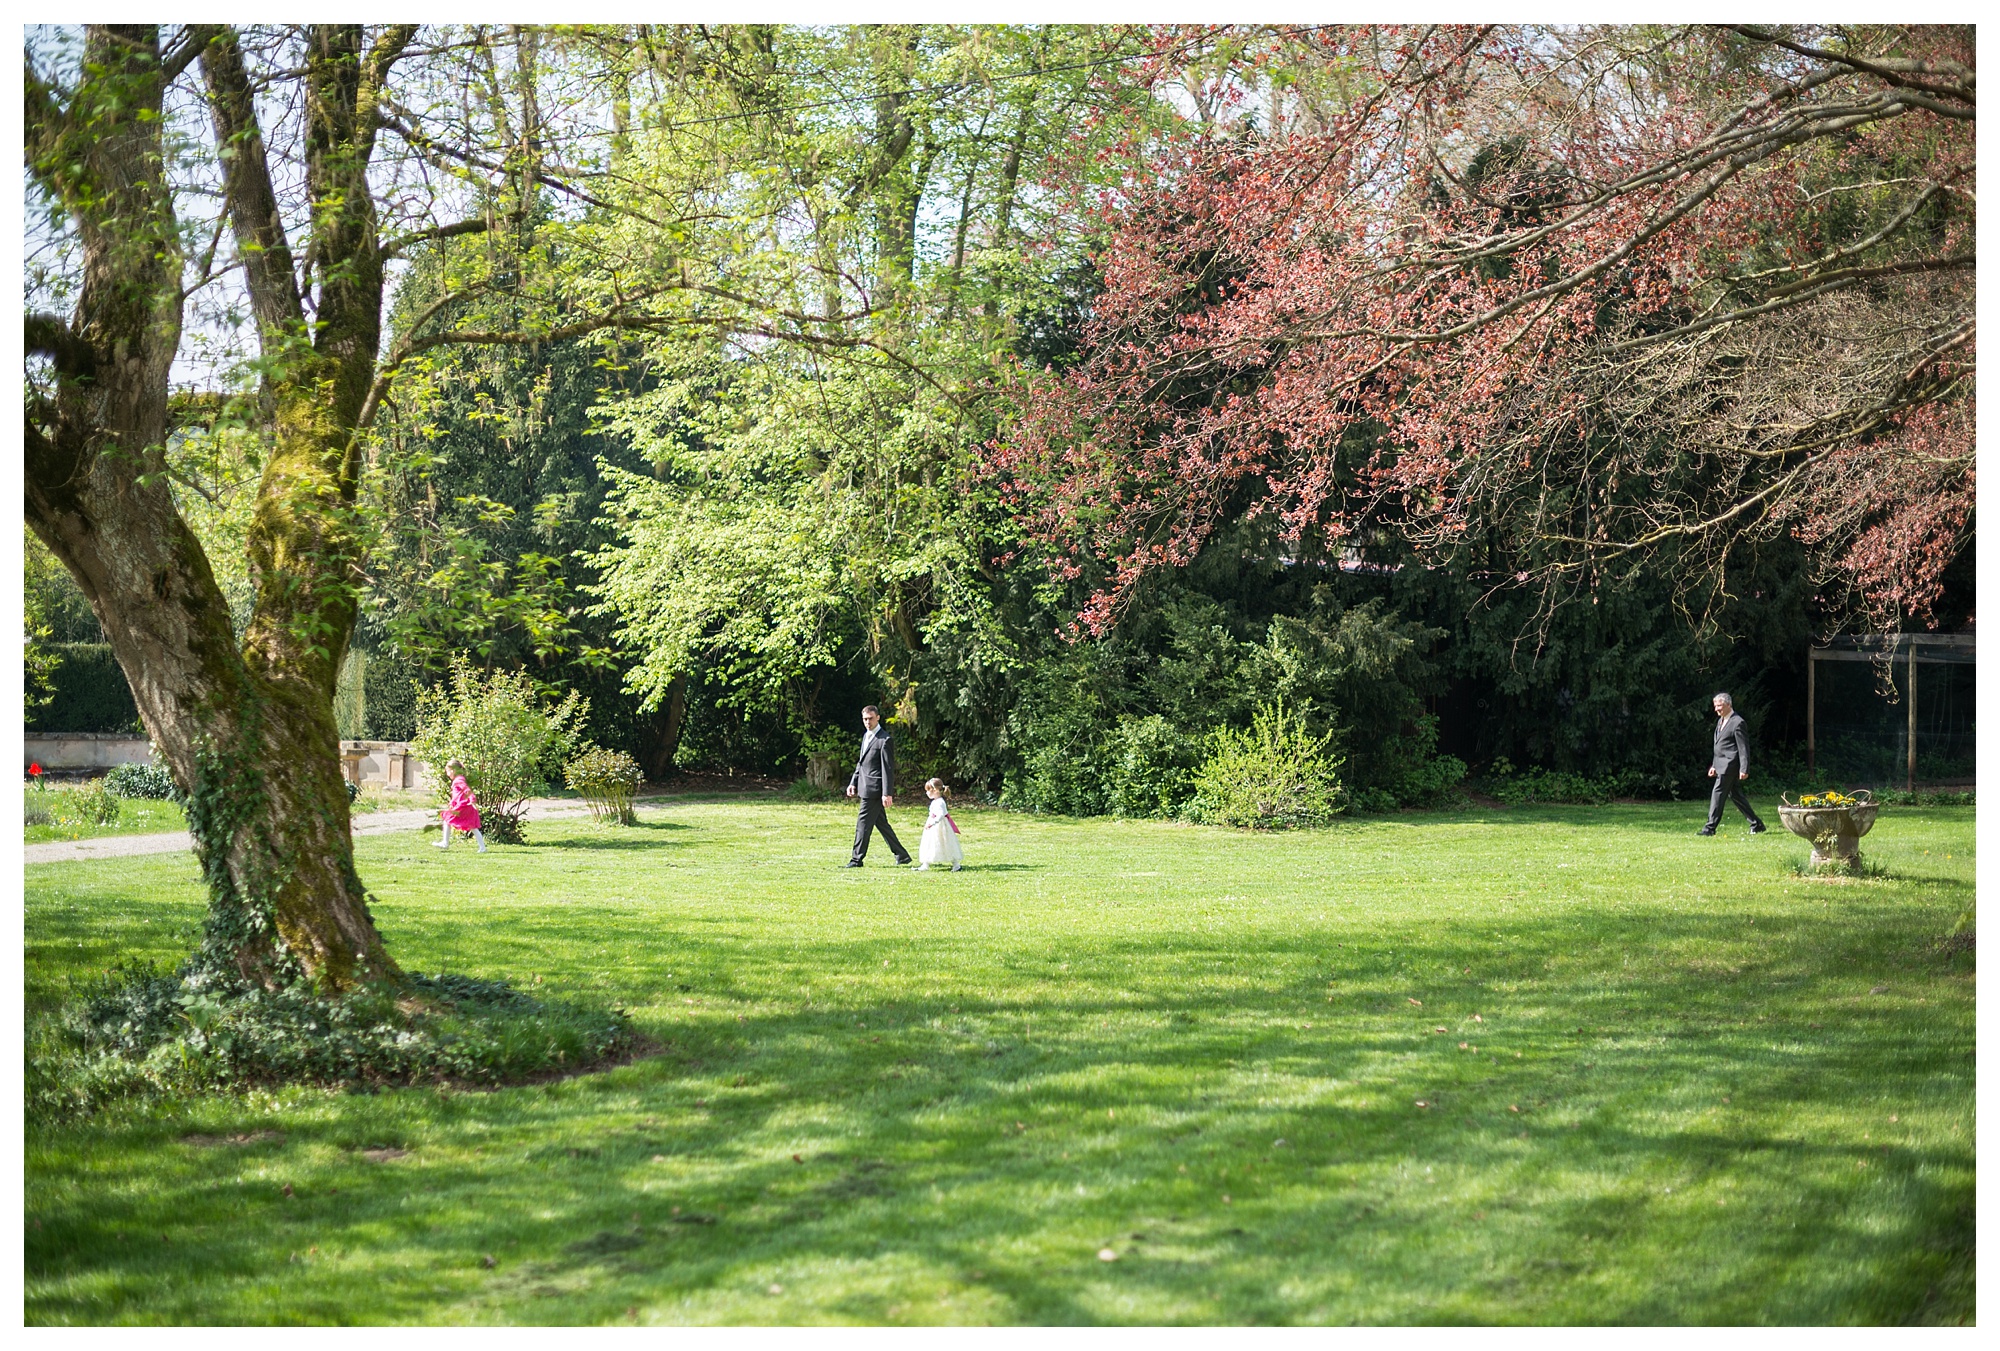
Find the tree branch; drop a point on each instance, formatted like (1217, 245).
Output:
(252, 204)
(46, 335)
(471, 226)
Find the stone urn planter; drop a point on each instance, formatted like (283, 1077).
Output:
(1833, 829)
(823, 771)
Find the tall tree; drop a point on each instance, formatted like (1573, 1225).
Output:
(246, 726)
(1583, 297)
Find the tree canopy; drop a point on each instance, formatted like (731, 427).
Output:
(1071, 391)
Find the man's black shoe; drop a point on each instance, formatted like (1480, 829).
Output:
(903, 862)
(1704, 831)
(1757, 829)
(852, 863)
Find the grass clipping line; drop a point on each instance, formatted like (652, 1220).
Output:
(140, 1032)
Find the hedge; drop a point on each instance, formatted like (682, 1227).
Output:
(90, 693)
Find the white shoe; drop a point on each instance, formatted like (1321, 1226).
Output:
(958, 867)
(482, 848)
(923, 867)
(439, 844)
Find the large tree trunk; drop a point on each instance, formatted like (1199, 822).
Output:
(249, 730)
(666, 731)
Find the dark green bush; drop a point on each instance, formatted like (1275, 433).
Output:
(1536, 786)
(1903, 797)
(390, 684)
(1148, 765)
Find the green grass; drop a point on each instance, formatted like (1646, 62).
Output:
(1743, 1096)
(150, 816)
(136, 816)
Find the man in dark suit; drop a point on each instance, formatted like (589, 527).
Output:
(874, 782)
(1729, 768)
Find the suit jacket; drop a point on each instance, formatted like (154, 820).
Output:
(1732, 746)
(875, 772)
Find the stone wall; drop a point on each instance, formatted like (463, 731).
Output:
(84, 750)
(386, 764)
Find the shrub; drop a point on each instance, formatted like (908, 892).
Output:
(510, 742)
(1536, 786)
(149, 782)
(147, 1032)
(607, 780)
(805, 790)
(1903, 797)
(1274, 775)
(1058, 770)
(90, 804)
(1148, 767)
(38, 813)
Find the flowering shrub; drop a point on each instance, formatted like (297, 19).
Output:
(1828, 799)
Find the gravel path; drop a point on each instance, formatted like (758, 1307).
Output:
(375, 823)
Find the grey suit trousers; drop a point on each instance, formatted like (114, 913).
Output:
(873, 816)
(1729, 788)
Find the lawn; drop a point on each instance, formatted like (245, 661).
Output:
(136, 816)
(144, 816)
(1551, 1065)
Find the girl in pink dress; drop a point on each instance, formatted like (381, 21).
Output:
(461, 813)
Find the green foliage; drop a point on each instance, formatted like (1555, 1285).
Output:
(1117, 725)
(93, 804)
(607, 780)
(510, 739)
(390, 683)
(76, 811)
(144, 1032)
(754, 584)
(805, 790)
(151, 782)
(1149, 766)
(489, 489)
(90, 693)
(350, 696)
(1535, 786)
(55, 607)
(1275, 775)
(1903, 797)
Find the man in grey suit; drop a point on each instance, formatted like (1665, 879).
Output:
(1730, 767)
(874, 782)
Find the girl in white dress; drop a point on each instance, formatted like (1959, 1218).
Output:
(940, 842)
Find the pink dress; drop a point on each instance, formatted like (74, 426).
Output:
(460, 813)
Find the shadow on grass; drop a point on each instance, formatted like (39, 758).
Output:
(1660, 1151)
(621, 840)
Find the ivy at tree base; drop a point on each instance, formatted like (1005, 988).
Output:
(141, 1032)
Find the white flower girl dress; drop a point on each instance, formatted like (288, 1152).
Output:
(940, 842)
